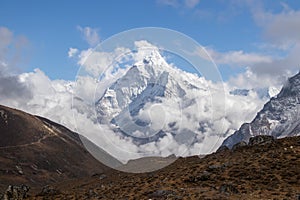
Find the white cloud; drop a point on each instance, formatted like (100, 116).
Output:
(90, 35)
(191, 3)
(173, 3)
(72, 52)
(97, 63)
(238, 58)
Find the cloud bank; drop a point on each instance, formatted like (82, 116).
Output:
(36, 93)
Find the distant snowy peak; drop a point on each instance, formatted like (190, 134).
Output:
(279, 117)
(262, 93)
(240, 92)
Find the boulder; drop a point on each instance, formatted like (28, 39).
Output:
(162, 193)
(261, 139)
(16, 192)
(228, 188)
(49, 191)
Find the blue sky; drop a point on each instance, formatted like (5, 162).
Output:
(237, 33)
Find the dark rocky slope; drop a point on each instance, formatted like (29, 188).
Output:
(35, 151)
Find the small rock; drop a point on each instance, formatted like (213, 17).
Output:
(261, 139)
(204, 176)
(162, 193)
(212, 167)
(49, 190)
(216, 167)
(228, 188)
(91, 194)
(19, 170)
(102, 176)
(59, 171)
(34, 167)
(4, 116)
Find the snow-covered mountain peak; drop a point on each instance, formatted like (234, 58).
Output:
(150, 63)
(279, 117)
(149, 82)
(147, 73)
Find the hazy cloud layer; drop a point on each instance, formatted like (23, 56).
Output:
(90, 35)
(179, 3)
(238, 58)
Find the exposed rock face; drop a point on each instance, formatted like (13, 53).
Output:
(280, 117)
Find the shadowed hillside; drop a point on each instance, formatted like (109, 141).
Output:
(35, 151)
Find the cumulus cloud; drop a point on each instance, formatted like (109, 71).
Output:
(90, 35)
(72, 52)
(12, 88)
